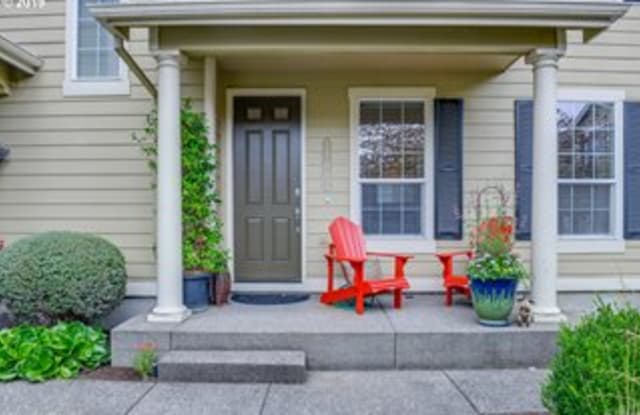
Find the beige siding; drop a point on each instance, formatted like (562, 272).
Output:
(74, 165)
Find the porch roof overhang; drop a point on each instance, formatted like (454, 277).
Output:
(583, 15)
(15, 63)
(486, 35)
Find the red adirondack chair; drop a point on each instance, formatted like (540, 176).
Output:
(453, 283)
(348, 245)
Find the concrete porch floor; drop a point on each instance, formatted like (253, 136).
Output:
(424, 334)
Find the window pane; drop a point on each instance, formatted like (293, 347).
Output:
(583, 167)
(601, 196)
(604, 115)
(565, 140)
(392, 165)
(584, 209)
(565, 166)
(604, 167)
(392, 209)
(601, 222)
(583, 116)
(584, 141)
(414, 165)
(604, 141)
(392, 139)
(564, 196)
(95, 56)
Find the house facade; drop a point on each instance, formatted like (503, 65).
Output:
(390, 113)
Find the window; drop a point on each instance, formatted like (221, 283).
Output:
(93, 67)
(392, 149)
(95, 57)
(589, 167)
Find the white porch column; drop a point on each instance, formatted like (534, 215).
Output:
(544, 215)
(169, 306)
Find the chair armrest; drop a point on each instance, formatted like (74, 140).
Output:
(468, 254)
(345, 259)
(389, 255)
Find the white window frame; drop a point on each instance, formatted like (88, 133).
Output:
(424, 243)
(615, 241)
(73, 86)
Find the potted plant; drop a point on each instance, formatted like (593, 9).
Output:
(495, 269)
(202, 238)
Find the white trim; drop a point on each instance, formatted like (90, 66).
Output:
(18, 58)
(227, 179)
(72, 86)
(409, 244)
(615, 242)
(563, 14)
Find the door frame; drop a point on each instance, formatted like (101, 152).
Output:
(228, 178)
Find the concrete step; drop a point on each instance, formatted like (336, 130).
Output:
(274, 366)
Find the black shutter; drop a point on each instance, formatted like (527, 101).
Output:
(448, 168)
(524, 167)
(632, 170)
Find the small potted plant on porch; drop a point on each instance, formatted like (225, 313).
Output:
(202, 237)
(495, 269)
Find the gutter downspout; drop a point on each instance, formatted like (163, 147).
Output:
(135, 68)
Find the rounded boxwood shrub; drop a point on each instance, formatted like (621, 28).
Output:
(61, 276)
(597, 368)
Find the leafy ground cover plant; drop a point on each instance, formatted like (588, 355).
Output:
(597, 368)
(61, 276)
(201, 225)
(145, 359)
(38, 353)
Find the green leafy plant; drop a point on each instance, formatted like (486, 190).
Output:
(145, 359)
(597, 368)
(61, 276)
(202, 226)
(492, 238)
(487, 267)
(38, 353)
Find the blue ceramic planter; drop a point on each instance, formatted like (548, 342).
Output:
(196, 291)
(493, 300)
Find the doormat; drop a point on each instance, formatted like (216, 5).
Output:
(269, 299)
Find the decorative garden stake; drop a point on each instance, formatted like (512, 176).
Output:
(494, 270)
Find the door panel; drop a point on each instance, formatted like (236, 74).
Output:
(267, 210)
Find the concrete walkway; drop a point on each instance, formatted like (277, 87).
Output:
(376, 392)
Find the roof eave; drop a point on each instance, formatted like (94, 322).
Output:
(18, 58)
(590, 15)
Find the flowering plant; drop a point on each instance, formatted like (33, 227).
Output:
(492, 238)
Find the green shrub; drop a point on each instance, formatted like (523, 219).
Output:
(61, 276)
(597, 369)
(37, 353)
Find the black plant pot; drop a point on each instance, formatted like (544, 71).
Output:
(197, 289)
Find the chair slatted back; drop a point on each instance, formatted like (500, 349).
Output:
(348, 239)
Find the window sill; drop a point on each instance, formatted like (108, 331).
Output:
(408, 246)
(73, 88)
(594, 246)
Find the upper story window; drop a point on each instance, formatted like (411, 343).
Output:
(95, 57)
(391, 152)
(92, 65)
(588, 168)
